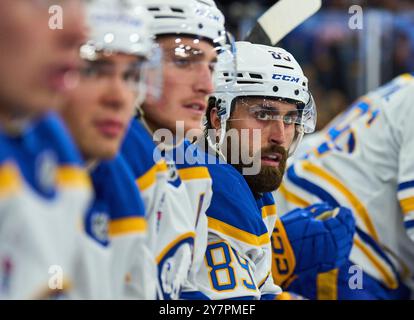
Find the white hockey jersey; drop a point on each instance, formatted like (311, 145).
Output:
(171, 223)
(365, 160)
(190, 162)
(116, 221)
(44, 192)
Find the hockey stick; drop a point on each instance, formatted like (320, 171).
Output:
(280, 19)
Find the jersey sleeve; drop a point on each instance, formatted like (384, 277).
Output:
(132, 264)
(405, 133)
(171, 227)
(176, 225)
(189, 160)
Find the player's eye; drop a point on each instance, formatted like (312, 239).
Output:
(132, 76)
(91, 71)
(182, 62)
(212, 66)
(290, 119)
(262, 115)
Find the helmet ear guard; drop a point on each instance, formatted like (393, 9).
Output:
(219, 105)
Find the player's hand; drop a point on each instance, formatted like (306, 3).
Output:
(321, 236)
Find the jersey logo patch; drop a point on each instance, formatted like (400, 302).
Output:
(173, 176)
(100, 226)
(46, 164)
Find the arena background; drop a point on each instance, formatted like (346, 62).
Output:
(341, 63)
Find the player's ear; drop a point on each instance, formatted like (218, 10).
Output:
(214, 119)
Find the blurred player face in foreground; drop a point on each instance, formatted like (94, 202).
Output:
(99, 109)
(187, 72)
(36, 61)
(276, 122)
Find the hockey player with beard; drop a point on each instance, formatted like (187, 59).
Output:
(250, 251)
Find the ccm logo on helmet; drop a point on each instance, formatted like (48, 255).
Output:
(285, 78)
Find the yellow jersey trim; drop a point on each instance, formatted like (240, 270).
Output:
(268, 211)
(10, 179)
(237, 233)
(194, 173)
(407, 205)
(147, 179)
(357, 205)
(173, 243)
(72, 177)
(292, 198)
(390, 281)
(327, 285)
(127, 225)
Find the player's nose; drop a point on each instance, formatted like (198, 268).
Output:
(203, 80)
(277, 133)
(116, 93)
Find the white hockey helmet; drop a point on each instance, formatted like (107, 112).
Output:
(199, 18)
(124, 27)
(269, 72)
(117, 26)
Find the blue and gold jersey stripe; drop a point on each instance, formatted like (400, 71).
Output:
(194, 173)
(186, 237)
(366, 243)
(149, 178)
(72, 177)
(407, 205)
(238, 234)
(127, 225)
(268, 211)
(357, 205)
(292, 198)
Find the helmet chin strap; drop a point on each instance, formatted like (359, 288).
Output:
(216, 145)
(296, 141)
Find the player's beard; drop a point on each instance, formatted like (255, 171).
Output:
(269, 178)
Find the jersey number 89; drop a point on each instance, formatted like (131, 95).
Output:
(220, 258)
